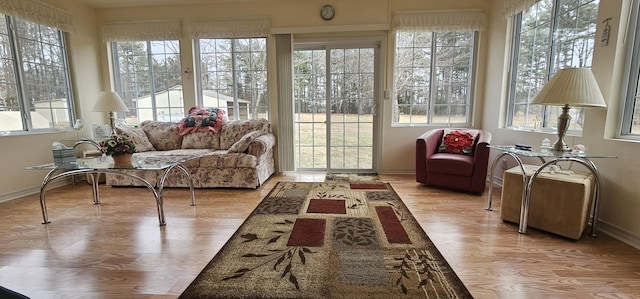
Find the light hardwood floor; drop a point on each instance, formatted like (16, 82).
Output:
(118, 250)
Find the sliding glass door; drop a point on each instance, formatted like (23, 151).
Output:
(334, 106)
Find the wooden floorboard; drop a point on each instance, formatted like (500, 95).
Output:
(118, 250)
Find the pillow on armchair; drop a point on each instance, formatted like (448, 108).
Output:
(458, 141)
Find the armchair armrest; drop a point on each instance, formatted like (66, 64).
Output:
(431, 140)
(481, 151)
(426, 145)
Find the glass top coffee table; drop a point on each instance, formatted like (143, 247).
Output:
(95, 166)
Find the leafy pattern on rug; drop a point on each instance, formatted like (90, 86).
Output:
(282, 259)
(355, 232)
(328, 240)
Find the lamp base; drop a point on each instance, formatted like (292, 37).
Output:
(112, 122)
(564, 120)
(561, 146)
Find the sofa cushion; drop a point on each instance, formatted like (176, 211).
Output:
(243, 144)
(163, 135)
(139, 138)
(224, 159)
(201, 140)
(457, 141)
(233, 131)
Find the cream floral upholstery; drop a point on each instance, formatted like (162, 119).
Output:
(163, 135)
(250, 167)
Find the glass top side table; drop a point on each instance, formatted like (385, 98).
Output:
(548, 158)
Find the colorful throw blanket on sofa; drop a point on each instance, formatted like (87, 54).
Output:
(202, 120)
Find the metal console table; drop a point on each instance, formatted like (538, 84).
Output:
(95, 166)
(553, 158)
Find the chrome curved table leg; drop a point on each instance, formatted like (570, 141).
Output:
(493, 167)
(95, 173)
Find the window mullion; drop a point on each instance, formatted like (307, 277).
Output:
(152, 82)
(553, 26)
(432, 71)
(17, 58)
(198, 72)
(234, 76)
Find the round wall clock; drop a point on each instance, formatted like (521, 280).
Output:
(327, 12)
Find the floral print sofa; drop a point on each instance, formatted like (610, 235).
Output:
(239, 155)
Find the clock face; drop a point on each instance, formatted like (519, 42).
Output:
(327, 12)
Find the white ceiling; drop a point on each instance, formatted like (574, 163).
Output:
(123, 3)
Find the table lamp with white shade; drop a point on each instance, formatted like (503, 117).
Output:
(570, 87)
(110, 101)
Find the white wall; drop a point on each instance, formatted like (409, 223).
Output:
(620, 204)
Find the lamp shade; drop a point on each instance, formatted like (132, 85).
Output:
(571, 86)
(109, 101)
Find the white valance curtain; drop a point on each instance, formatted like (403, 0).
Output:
(144, 30)
(38, 12)
(233, 28)
(512, 7)
(440, 20)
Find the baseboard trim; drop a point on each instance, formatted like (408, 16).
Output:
(34, 190)
(619, 234)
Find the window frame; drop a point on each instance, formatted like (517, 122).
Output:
(234, 111)
(152, 84)
(471, 82)
(545, 122)
(18, 61)
(631, 81)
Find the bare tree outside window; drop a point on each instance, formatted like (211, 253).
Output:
(233, 75)
(148, 78)
(433, 77)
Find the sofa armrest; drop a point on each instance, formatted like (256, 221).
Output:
(262, 144)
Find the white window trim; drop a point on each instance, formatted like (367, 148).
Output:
(232, 28)
(139, 31)
(39, 12)
(440, 20)
(631, 81)
(512, 7)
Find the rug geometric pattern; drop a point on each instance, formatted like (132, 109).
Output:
(328, 240)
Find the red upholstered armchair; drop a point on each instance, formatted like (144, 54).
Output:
(449, 170)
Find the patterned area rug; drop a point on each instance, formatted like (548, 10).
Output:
(352, 177)
(329, 240)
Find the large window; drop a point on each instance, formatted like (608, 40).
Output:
(550, 35)
(630, 125)
(34, 77)
(232, 75)
(434, 77)
(148, 78)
